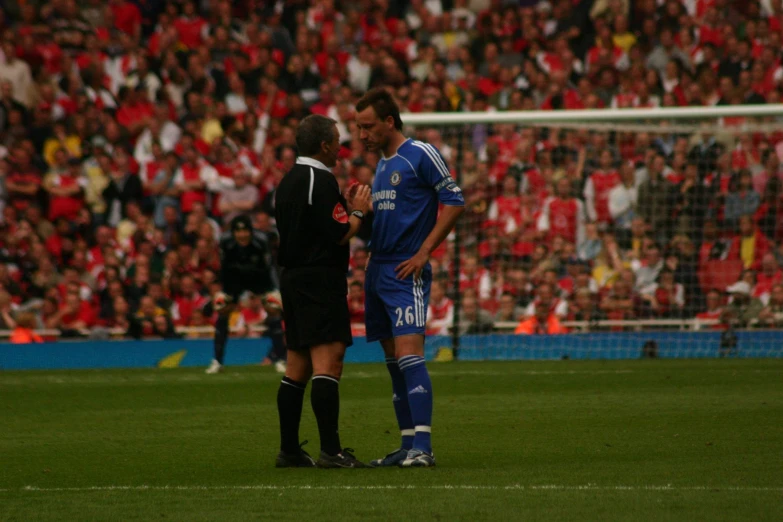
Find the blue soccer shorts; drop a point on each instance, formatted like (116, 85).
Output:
(395, 307)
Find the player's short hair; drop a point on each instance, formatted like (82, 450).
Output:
(312, 131)
(383, 104)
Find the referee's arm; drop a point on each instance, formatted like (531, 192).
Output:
(338, 225)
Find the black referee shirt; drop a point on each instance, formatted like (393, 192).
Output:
(312, 218)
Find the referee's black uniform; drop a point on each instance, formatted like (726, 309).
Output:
(312, 218)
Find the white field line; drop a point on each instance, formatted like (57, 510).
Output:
(397, 487)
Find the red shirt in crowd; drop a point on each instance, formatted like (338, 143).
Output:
(563, 216)
(28, 177)
(127, 17)
(601, 183)
(67, 207)
(190, 30)
(185, 305)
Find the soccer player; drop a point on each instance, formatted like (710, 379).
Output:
(315, 223)
(245, 264)
(411, 179)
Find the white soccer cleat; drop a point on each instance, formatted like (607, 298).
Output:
(214, 367)
(280, 367)
(418, 459)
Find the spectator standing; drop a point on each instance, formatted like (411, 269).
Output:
(563, 215)
(18, 74)
(655, 200)
(124, 187)
(750, 243)
(240, 199)
(623, 199)
(744, 201)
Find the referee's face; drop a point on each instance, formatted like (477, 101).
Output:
(332, 148)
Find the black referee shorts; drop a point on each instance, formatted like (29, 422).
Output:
(315, 307)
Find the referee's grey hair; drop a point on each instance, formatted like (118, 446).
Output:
(312, 132)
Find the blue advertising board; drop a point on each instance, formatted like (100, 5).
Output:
(198, 352)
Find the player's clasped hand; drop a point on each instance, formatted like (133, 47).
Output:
(414, 265)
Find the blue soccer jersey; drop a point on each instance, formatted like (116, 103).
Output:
(407, 190)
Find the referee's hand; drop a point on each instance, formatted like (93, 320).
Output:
(360, 199)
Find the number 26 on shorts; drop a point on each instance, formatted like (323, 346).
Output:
(407, 315)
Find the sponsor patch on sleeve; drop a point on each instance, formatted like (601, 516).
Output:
(339, 214)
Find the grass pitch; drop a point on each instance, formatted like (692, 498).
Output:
(630, 440)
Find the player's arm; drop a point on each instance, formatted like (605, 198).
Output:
(433, 171)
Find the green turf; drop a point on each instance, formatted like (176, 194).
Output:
(631, 440)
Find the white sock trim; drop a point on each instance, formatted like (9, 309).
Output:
(327, 377)
(427, 429)
(408, 433)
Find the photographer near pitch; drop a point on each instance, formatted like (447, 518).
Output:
(245, 265)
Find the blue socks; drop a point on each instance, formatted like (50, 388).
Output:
(400, 401)
(419, 391)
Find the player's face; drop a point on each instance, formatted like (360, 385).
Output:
(242, 237)
(373, 132)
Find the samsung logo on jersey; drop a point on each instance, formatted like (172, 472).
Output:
(382, 198)
(384, 194)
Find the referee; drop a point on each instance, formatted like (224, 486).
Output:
(245, 265)
(315, 223)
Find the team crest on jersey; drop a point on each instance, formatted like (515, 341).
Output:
(395, 178)
(339, 214)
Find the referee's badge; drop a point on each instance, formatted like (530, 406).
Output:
(339, 214)
(395, 178)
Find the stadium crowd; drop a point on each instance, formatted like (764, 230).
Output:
(131, 132)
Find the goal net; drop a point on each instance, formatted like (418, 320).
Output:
(610, 234)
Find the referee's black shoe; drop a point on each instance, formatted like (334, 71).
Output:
(344, 459)
(295, 460)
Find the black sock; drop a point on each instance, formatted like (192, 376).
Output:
(290, 397)
(221, 337)
(325, 398)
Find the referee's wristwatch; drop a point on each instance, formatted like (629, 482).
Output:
(359, 214)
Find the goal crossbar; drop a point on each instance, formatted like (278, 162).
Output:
(591, 115)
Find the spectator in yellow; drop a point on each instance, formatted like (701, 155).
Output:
(61, 139)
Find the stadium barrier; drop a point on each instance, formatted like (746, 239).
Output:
(498, 347)
(500, 326)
